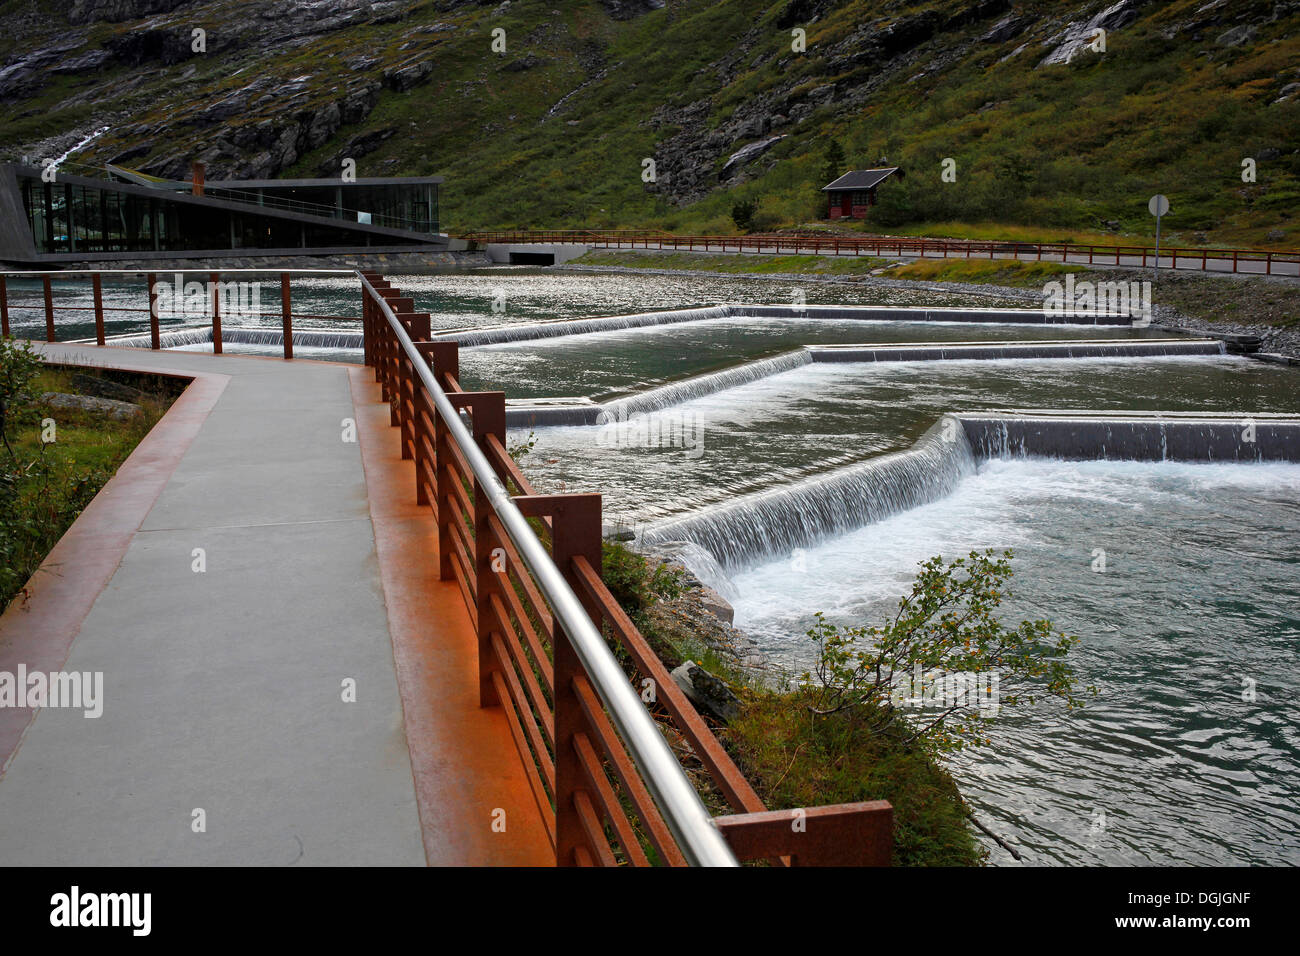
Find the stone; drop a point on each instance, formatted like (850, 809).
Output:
(1005, 29)
(1237, 36)
(118, 411)
(716, 604)
(708, 692)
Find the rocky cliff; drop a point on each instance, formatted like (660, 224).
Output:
(546, 113)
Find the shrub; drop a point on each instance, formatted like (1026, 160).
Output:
(742, 214)
(946, 625)
(19, 364)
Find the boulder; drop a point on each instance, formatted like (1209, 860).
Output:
(708, 692)
(1237, 36)
(716, 604)
(118, 411)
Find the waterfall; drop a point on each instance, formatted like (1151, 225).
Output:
(775, 522)
(1167, 436)
(244, 335)
(167, 338)
(554, 329)
(985, 351)
(894, 313)
(675, 393)
(308, 338)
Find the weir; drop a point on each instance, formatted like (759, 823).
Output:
(1170, 436)
(533, 331)
(864, 313)
(773, 523)
(533, 414)
(984, 351)
(244, 335)
(525, 332)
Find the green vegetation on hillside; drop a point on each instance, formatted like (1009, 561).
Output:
(553, 132)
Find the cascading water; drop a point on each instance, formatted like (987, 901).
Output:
(996, 351)
(608, 323)
(167, 339)
(245, 335)
(683, 391)
(775, 522)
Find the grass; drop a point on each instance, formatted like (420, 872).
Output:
(1010, 272)
(59, 479)
(796, 761)
(755, 264)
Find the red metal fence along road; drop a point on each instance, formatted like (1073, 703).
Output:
(1244, 261)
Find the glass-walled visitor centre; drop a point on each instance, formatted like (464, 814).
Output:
(69, 217)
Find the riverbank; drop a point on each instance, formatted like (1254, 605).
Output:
(790, 759)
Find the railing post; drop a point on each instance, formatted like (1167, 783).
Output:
(575, 530)
(286, 317)
(417, 327)
(368, 313)
(97, 290)
(445, 359)
(4, 307)
(214, 280)
(155, 341)
(393, 361)
(49, 309)
(487, 418)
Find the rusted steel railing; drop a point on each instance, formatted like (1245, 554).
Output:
(1250, 261)
(605, 780)
(46, 301)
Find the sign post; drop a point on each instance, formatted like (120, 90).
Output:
(1159, 205)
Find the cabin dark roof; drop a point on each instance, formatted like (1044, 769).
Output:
(861, 179)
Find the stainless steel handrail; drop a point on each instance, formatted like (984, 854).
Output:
(701, 843)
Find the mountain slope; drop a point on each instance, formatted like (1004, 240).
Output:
(553, 131)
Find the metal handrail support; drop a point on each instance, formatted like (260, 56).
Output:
(700, 841)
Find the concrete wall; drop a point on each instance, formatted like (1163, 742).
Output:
(1142, 437)
(502, 252)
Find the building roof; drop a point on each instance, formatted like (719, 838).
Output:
(862, 178)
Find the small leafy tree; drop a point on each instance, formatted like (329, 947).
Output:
(742, 213)
(944, 629)
(19, 364)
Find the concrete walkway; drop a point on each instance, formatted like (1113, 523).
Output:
(224, 689)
